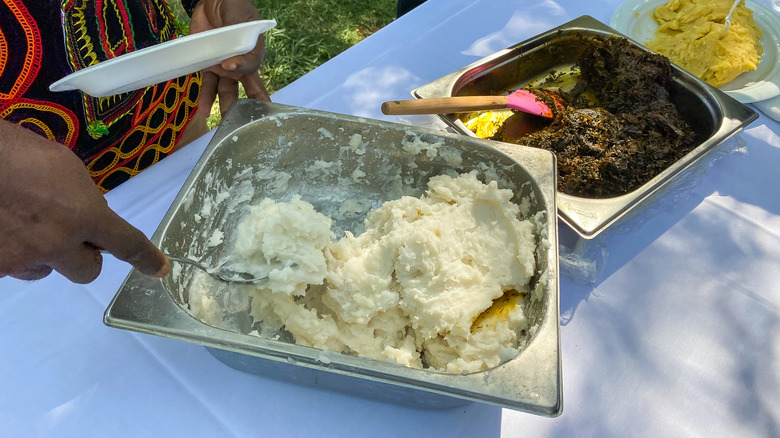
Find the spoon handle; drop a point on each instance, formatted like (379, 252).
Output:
(220, 274)
(188, 262)
(200, 266)
(727, 21)
(443, 105)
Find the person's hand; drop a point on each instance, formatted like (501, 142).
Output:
(222, 80)
(53, 217)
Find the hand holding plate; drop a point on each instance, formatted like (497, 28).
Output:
(222, 80)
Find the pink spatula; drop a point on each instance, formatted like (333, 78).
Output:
(521, 100)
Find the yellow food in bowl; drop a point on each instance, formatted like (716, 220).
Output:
(691, 35)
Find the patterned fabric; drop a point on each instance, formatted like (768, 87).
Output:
(42, 41)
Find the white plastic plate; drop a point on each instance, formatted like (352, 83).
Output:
(165, 61)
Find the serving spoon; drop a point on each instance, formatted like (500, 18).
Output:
(521, 100)
(221, 273)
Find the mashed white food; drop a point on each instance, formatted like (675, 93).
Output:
(433, 282)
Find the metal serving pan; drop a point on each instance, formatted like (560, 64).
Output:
(713, 115)
(259, 143)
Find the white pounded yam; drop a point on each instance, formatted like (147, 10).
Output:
(279, 234)
(410, 287)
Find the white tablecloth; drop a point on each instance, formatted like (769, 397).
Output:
(678, 336)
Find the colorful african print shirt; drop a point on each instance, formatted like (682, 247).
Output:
(42, 41)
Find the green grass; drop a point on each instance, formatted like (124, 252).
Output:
(309, 33)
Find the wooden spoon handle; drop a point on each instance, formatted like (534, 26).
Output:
(444, 105)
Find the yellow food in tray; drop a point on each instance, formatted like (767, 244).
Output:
(485, 123)
(691, 35)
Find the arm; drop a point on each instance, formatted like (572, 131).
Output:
(222, 80)
(53, 217)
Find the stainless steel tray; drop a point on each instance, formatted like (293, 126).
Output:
(714, 116)
(260, 140)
